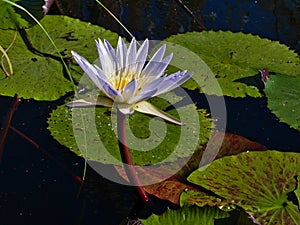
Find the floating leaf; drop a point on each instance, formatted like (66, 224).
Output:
(283, 93)
(256, 181)
(172, 188)
(43, 78)
(12, 17)
(232, 144)
(187, 216)
(151, 140)
(232, 56)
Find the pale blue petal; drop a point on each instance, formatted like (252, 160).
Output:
(101, 74)
(159, 54)
(105, 57)
(142, 56)
(157, 69)
(154, 62)
(172, 81)
(96, 76)
(88, 68)
(142, 96)
(110, 49)
(121, 53)
(152, 85)
(129, 89)
(110, 91)
(131, 56)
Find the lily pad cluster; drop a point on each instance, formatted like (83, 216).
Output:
(247, 191)
(233, 56)
(262, 187)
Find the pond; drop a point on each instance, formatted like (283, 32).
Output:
(41, 179)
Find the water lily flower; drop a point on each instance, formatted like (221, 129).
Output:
(128, 80)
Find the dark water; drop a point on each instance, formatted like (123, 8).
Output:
(37, 189)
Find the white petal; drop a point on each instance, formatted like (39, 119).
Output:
(142, 96)
(121, 53)
(146, 107)
(158, 55)
(156, 69)
(110, 49)
(88, 68)
(156, 66)
(131, 56)
(129, 90)
(106, 59)
(142, 56)
(173, 81)
(92, 101)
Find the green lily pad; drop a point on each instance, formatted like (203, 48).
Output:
(151, 140)
(171, 189)
(233, 56)
(187, 216)
(283, 93)
(12, 17)
(43, 78)
(256, 181)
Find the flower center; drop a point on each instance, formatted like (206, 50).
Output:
(121, 79)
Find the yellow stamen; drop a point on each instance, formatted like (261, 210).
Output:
(121, 79)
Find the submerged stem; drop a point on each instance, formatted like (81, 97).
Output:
(126, 158)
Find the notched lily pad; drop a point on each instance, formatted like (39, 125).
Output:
(256, 181)
(43, 78)
(233, 56)
(187, 216)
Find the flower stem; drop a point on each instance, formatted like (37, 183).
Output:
(126, 158)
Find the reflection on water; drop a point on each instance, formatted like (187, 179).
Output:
(156, 19)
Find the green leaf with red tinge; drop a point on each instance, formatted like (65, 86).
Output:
(172, 188)
(256, 181)
(232, 144)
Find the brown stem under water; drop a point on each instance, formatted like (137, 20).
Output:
(126, 157)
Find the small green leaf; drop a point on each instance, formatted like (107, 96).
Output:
(283, 93)
(256, 181)
(187, 216)
(232, 56)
